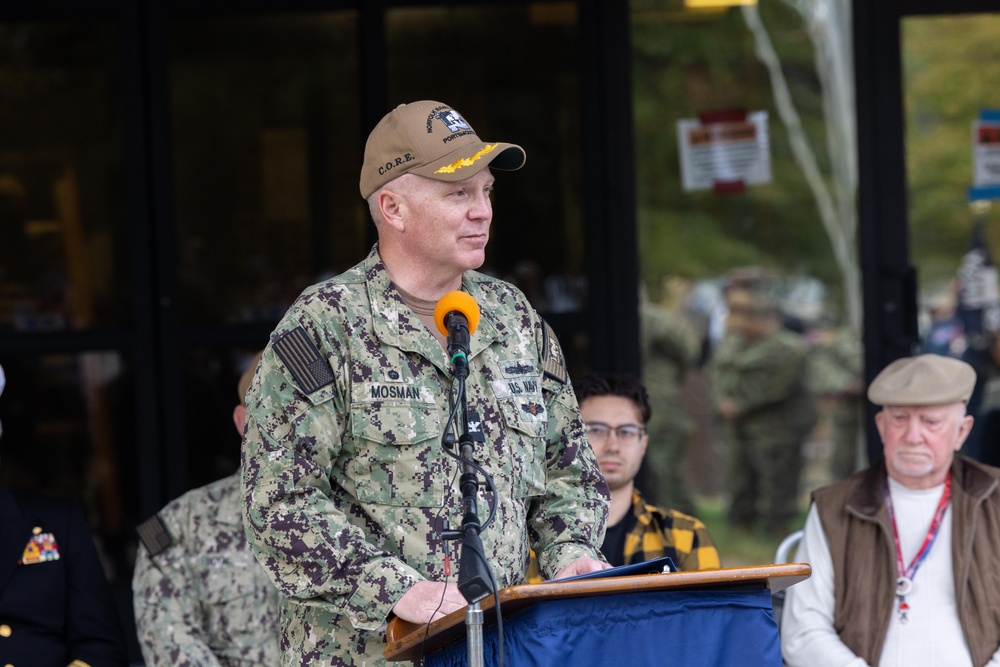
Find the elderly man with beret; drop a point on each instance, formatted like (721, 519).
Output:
(905, 554)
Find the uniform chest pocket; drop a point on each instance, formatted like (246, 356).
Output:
(396, 457)
(527, 426)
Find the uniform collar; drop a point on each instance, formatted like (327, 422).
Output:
(396, 325)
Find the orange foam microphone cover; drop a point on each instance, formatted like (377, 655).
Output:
(456, 302)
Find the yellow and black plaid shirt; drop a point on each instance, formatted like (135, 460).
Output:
(660, 532)
(666, 532)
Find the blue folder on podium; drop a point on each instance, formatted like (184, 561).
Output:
(714, 618)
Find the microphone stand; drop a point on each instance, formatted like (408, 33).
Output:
(474, 581)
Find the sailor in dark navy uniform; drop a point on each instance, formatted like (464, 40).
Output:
(56, 607)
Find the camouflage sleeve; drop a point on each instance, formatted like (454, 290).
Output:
(721, 368)
(169, 621)
(292, 441)
(569, 520)
(768, 372)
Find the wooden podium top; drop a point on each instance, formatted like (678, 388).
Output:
(408, 641)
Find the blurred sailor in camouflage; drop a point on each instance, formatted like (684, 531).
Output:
(200, 597)
(347, 487)
(758, 378)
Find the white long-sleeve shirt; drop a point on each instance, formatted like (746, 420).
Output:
(932, 635)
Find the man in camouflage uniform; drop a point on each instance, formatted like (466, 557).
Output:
(200, 597)
(669, 349)
(347, 487)
(758, 385)
(836, 365)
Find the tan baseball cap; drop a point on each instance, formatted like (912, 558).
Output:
(430, 139)
(928, 379)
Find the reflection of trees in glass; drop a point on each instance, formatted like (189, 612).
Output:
(829, 27)
(949, 75)
(681, 68)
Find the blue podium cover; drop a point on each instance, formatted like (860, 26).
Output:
(708, 628)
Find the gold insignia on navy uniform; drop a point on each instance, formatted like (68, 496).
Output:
(553, 361)
(154, 535)
(533, 408)
(302, 358)
(41, 548)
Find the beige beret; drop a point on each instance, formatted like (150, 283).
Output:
(928, 379)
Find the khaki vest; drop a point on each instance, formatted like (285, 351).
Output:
(859, 534)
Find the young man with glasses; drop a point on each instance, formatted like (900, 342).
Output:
(615, 411)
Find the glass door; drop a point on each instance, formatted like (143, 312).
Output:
(951, 77)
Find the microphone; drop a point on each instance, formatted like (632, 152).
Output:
(457, 316)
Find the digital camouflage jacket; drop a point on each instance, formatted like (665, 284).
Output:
(347, 489)
(200, 598)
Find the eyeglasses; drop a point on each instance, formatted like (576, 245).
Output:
(626, 433)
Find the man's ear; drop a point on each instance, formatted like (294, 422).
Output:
(880, 418)
(239, 417)
(964, 428)
(392, 207)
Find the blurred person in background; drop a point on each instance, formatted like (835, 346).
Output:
(836, 365)
(758, 376)
(200, 597)
(670, 347)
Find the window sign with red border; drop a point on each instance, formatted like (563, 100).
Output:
(724, 151)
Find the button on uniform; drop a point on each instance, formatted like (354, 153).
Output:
(5, 630)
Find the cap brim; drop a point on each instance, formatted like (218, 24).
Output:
(468, 160)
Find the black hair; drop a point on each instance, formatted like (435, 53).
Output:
(624, 385)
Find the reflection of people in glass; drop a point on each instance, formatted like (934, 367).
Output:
(758, 382)
(669, 349)
(944, 334)
(836, 363)
(56, 608)
(983, 443)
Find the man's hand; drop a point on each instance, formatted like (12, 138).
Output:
(418, 604)
(581, 565)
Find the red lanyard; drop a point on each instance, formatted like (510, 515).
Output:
(904, 575)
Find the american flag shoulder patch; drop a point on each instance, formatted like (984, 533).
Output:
(154, 535)
(303, 360)
(553, 361)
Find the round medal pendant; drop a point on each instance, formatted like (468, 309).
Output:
(903, 586)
